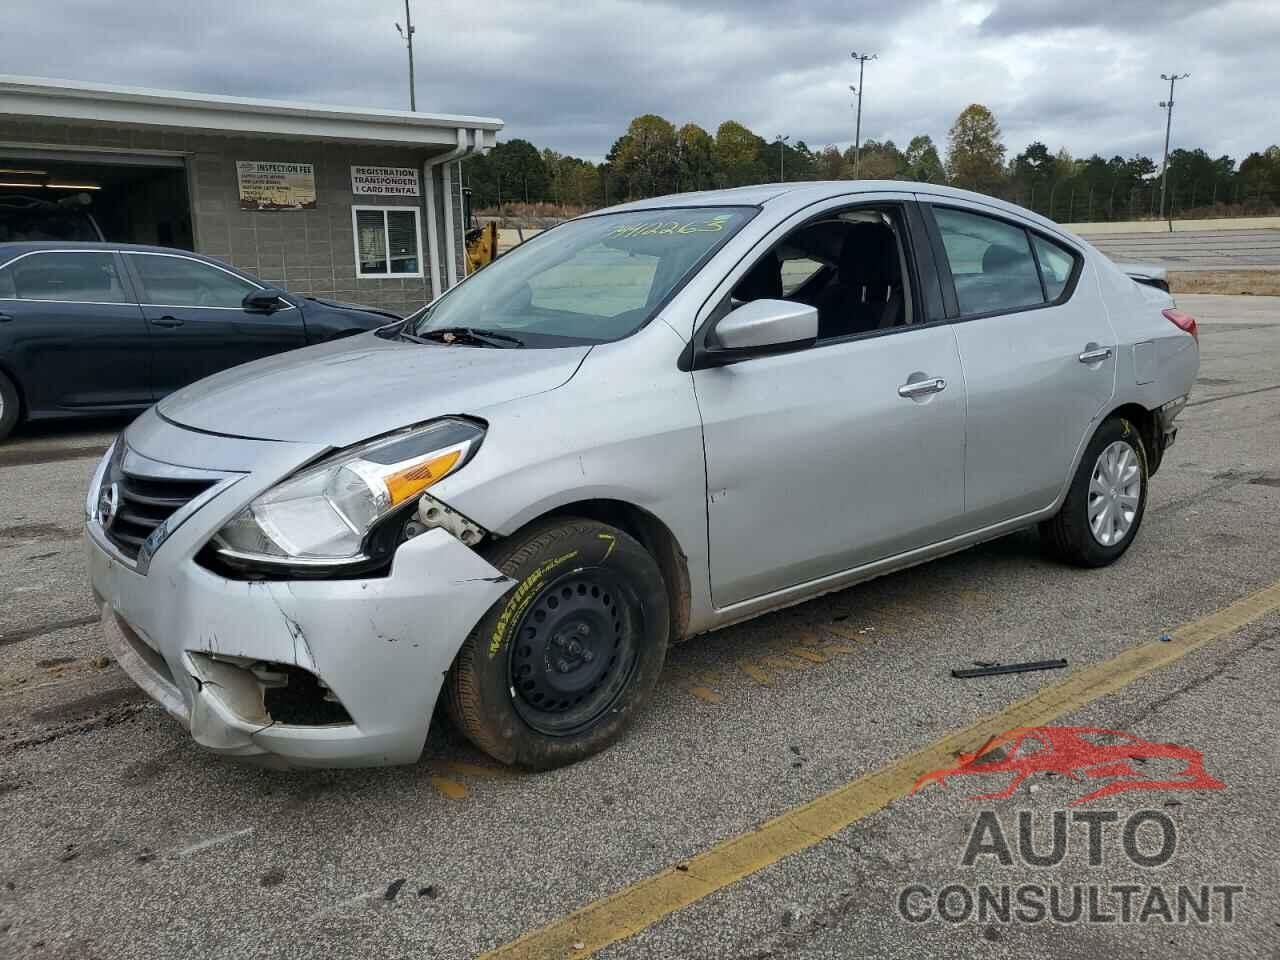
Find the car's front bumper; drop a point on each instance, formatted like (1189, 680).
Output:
(382, 645)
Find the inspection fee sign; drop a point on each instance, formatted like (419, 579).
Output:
(384, 181)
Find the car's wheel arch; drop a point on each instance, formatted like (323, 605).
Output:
(1147, 426)
(23, 407)
(652, 533)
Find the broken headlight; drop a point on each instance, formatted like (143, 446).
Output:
(322, 515)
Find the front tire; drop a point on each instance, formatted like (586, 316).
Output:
(555, 671)
(1105, 504)
(10, 407)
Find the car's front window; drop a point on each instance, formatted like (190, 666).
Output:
(587, 281)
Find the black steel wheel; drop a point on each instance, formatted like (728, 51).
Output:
(574, 651)
(557, 668)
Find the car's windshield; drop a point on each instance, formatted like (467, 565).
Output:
(587, 281)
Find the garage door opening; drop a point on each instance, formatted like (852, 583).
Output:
(141, 200)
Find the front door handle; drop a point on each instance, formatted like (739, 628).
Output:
(920, 388)
(6, 317)
(167, 321)
(1094, 353)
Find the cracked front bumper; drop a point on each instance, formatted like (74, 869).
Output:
(382, 645)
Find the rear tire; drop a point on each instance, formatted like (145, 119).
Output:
(10, 406)
(1105, 504)
(555, 671)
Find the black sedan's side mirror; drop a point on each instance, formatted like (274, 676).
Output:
(267, 300)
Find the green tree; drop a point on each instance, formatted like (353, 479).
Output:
(975, 155)
(646, 155)
(696, 153)
(922, 160)
(519, 171)
(830, 164)
(880, 161)
(738, 155)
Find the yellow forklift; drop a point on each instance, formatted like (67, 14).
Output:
(482, 240)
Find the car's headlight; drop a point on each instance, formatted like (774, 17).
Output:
(323, 514)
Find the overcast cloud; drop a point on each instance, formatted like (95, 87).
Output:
(1083, 74)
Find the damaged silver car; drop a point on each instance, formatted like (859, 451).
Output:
(642, 425)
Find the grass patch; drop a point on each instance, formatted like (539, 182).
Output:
(1260, 283)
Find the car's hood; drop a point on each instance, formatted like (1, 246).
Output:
(346, 391)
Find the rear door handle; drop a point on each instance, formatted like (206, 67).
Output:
(919, 388)
(6, 317)
(1094, 355)
(167, 321)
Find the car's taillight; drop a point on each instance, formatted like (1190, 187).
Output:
(1183, 321)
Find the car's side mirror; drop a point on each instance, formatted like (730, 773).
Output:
(267, 300)
(761, 327)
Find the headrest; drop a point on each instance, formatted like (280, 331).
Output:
(868, 257)
(762, 282)
(1001, 259)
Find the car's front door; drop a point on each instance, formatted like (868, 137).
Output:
(72, 331)
(198, 322)
(833, 456)
(1038, 352)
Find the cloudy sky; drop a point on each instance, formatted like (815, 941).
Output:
(1079, 73)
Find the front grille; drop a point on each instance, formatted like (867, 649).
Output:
(144, 504)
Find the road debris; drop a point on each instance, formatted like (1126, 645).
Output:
(991, 670)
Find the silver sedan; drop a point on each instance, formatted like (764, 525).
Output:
(644, 424)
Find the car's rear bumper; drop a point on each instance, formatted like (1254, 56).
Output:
(199, 644)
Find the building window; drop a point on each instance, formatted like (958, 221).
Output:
(388, 241)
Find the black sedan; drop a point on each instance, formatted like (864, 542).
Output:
(107, 328)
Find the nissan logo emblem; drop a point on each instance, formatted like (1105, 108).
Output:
(108, 504)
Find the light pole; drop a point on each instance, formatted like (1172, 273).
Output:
(1167, 106)
(857, 135)
(780, 140)
(407, 33)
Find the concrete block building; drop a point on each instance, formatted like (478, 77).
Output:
(356, 205)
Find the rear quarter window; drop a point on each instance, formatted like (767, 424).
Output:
(991, 262)
(1056, 265)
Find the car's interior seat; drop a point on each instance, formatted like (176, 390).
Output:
(762, 282)
(867, 292)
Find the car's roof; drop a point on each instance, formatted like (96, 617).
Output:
(801, 193)
(31, 246)
(762, 193)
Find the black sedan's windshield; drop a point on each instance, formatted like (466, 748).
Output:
(588, 281)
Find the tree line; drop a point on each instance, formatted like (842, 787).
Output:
(655, 157)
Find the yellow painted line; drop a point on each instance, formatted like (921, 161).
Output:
(706, 693)
(835, 646)
(465, 769)
(755, 672)
(449, 789)
(644, 903)
(805, 653)
(785, 663)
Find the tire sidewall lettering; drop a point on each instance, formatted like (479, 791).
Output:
(519, 602)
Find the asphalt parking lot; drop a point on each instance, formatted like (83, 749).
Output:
(1195, 250)
(762, 807)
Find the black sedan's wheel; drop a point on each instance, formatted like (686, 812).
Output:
(1108, 495)
(555, 671)
(9, 408)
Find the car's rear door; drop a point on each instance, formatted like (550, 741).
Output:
(72, 332)
(1038, 352)
(198, 321)
(830, 457)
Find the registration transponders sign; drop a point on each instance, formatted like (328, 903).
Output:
(384, 181)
